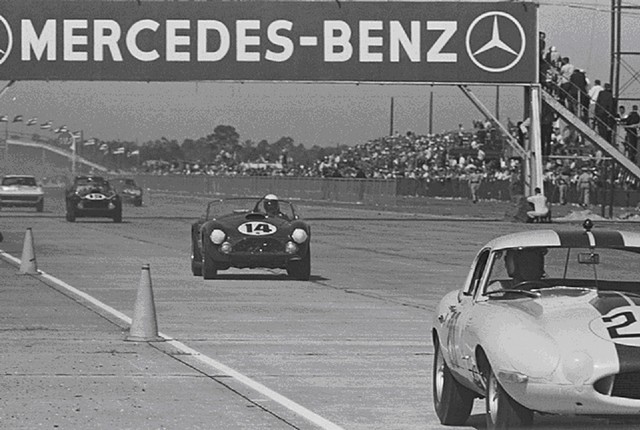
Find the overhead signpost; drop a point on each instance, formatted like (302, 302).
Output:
(463, 43)
(447, 42)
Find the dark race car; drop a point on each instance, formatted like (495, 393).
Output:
(92, 196)
(128, 189)
(250, 233)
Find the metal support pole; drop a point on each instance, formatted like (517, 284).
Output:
(535, 137)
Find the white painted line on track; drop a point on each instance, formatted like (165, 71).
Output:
(254, 385)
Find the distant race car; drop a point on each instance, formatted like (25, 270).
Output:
(547, 321)
(21, 191)
(250, 233)
(92, 196)
(128, 189)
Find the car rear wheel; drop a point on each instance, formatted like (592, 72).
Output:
(452, 400)
(503, 412)
(300, 269)
(137, 202)
(40, 206)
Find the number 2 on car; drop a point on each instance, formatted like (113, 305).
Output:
(256, 228)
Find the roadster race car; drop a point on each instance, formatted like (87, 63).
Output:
(547, 321)
(250, 233)
(92, 196)
(128, 189)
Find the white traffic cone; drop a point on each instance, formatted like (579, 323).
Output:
(28, 265)
(144, 326)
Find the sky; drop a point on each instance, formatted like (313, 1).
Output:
(311, 114)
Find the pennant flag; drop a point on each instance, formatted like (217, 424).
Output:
(119, 150)
(134, 152)
(46, 125)
(76, 134)
(17, 118)
(89, 142)
(104, 147)
(4, 118)
(32, 121)
(61, 129)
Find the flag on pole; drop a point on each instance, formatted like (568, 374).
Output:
(104, 147)
(76, 134)
(61, 129)
(134, 152)
(46, 125)
(4, 118)
(89, 142)
(32, 121)
(119, 151)
(17, 118)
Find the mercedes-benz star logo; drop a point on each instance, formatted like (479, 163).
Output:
(503, 50)
(6, 39)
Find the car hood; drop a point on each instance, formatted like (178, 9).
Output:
(574, 320)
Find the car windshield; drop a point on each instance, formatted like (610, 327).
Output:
(539, 268)
(223, 207)
(22, 180)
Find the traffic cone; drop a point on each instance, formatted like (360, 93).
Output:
(144, 327)
(28, 264)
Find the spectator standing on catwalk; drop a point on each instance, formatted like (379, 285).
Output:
(631, 128)
(605, 112)
(621, 132)
(565, 80)
(593, 98)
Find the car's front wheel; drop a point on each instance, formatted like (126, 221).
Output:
(40, 206)
(300, 269)
(117, 217)
(71, 215)
(452, 400)
(209, 269)
(503, 412)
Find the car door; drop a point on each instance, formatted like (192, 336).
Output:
(460, 314)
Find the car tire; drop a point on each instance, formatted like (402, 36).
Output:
(196, 268)
(137, 202)
(71, 215)
(117, 217)
(452, 401)
(209, 269)
(40, 206)
(502, 411)
(300, 269)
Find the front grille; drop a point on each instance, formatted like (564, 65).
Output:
(21, 198)
(95, 204)
(259, 246)
(626, 385)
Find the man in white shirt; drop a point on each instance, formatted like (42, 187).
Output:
(593, 97)
(540, 210)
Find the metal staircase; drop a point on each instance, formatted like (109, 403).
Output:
(590, 134)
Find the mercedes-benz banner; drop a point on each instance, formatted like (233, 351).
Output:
(333, 41)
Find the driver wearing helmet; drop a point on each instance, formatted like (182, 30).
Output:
(525, 266)
(272, 206)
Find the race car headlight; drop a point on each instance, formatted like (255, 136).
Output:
(225, 248)
(530, 352)
(577, 367)
(291, 248)
(299, 235)
(217, 236)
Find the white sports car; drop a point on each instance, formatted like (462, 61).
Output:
(547, 321)
(21, 191)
